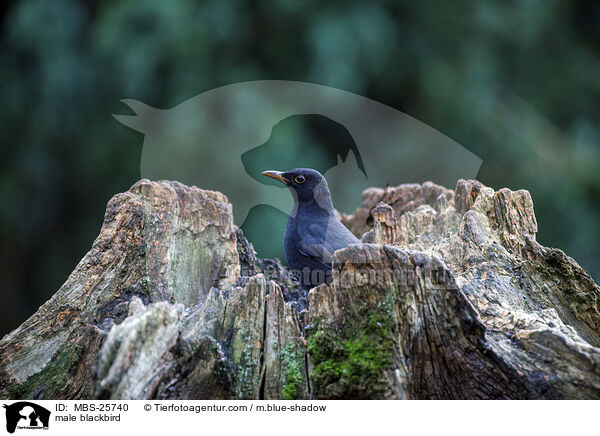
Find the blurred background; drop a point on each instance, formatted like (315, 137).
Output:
(516, 83)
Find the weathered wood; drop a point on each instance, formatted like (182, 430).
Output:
(451, 297)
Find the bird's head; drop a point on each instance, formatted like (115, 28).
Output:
(306, 184)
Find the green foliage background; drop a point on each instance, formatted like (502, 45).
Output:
(515, 82)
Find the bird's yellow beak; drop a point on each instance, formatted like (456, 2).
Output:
(275, 175)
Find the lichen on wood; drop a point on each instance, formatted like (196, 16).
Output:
(451, 296)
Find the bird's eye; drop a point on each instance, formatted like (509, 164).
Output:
(299, 179)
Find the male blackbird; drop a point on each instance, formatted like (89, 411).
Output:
(313, 232)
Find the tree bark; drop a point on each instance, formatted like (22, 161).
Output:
(450, 297)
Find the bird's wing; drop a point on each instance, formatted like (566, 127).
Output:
(317, 252)
(320, 242)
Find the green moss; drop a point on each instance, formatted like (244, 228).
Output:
(293, 366)
(351, 367)
(246, 375)
(246, 364)
(570, 282)
(51, 380)
(146, 286)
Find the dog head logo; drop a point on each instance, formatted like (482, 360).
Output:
(26, 415)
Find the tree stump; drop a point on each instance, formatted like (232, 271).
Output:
(450, 297)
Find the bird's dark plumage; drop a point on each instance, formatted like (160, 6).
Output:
(313, 232)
